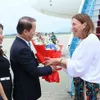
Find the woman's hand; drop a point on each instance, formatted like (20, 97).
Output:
(51, 61)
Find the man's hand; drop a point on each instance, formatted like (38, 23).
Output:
(54, 68)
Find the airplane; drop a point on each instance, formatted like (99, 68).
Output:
(58, 8)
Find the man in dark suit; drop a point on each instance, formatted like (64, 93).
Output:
(24, 64)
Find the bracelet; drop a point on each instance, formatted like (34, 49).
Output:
(61, 61)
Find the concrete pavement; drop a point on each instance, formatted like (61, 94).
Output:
(56, 91)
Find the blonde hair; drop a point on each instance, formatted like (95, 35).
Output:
(84, 18)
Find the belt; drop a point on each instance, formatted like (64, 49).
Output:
(4, 78)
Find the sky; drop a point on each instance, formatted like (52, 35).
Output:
(12, 10)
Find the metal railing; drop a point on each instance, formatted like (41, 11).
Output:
(88, 7)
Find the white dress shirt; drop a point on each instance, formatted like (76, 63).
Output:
(85, 61)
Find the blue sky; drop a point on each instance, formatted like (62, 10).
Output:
(12, 10)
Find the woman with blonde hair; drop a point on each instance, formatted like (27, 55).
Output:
(84, 65)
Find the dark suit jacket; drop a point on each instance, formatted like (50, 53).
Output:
(26, 71)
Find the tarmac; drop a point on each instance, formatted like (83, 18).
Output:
(56, 91)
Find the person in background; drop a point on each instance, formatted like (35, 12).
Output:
(24, 64)
(5, 76)
(84, 65)
(53, 38)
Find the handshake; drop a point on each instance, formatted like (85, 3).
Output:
(54, 62)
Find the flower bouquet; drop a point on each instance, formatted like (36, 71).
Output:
(42, 52)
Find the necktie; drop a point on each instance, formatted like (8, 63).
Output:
(29, 44)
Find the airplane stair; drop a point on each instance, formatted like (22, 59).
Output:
(98, 26)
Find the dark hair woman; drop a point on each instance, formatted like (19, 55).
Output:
(5, 76)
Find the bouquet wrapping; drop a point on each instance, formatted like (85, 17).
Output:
(42, 52)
